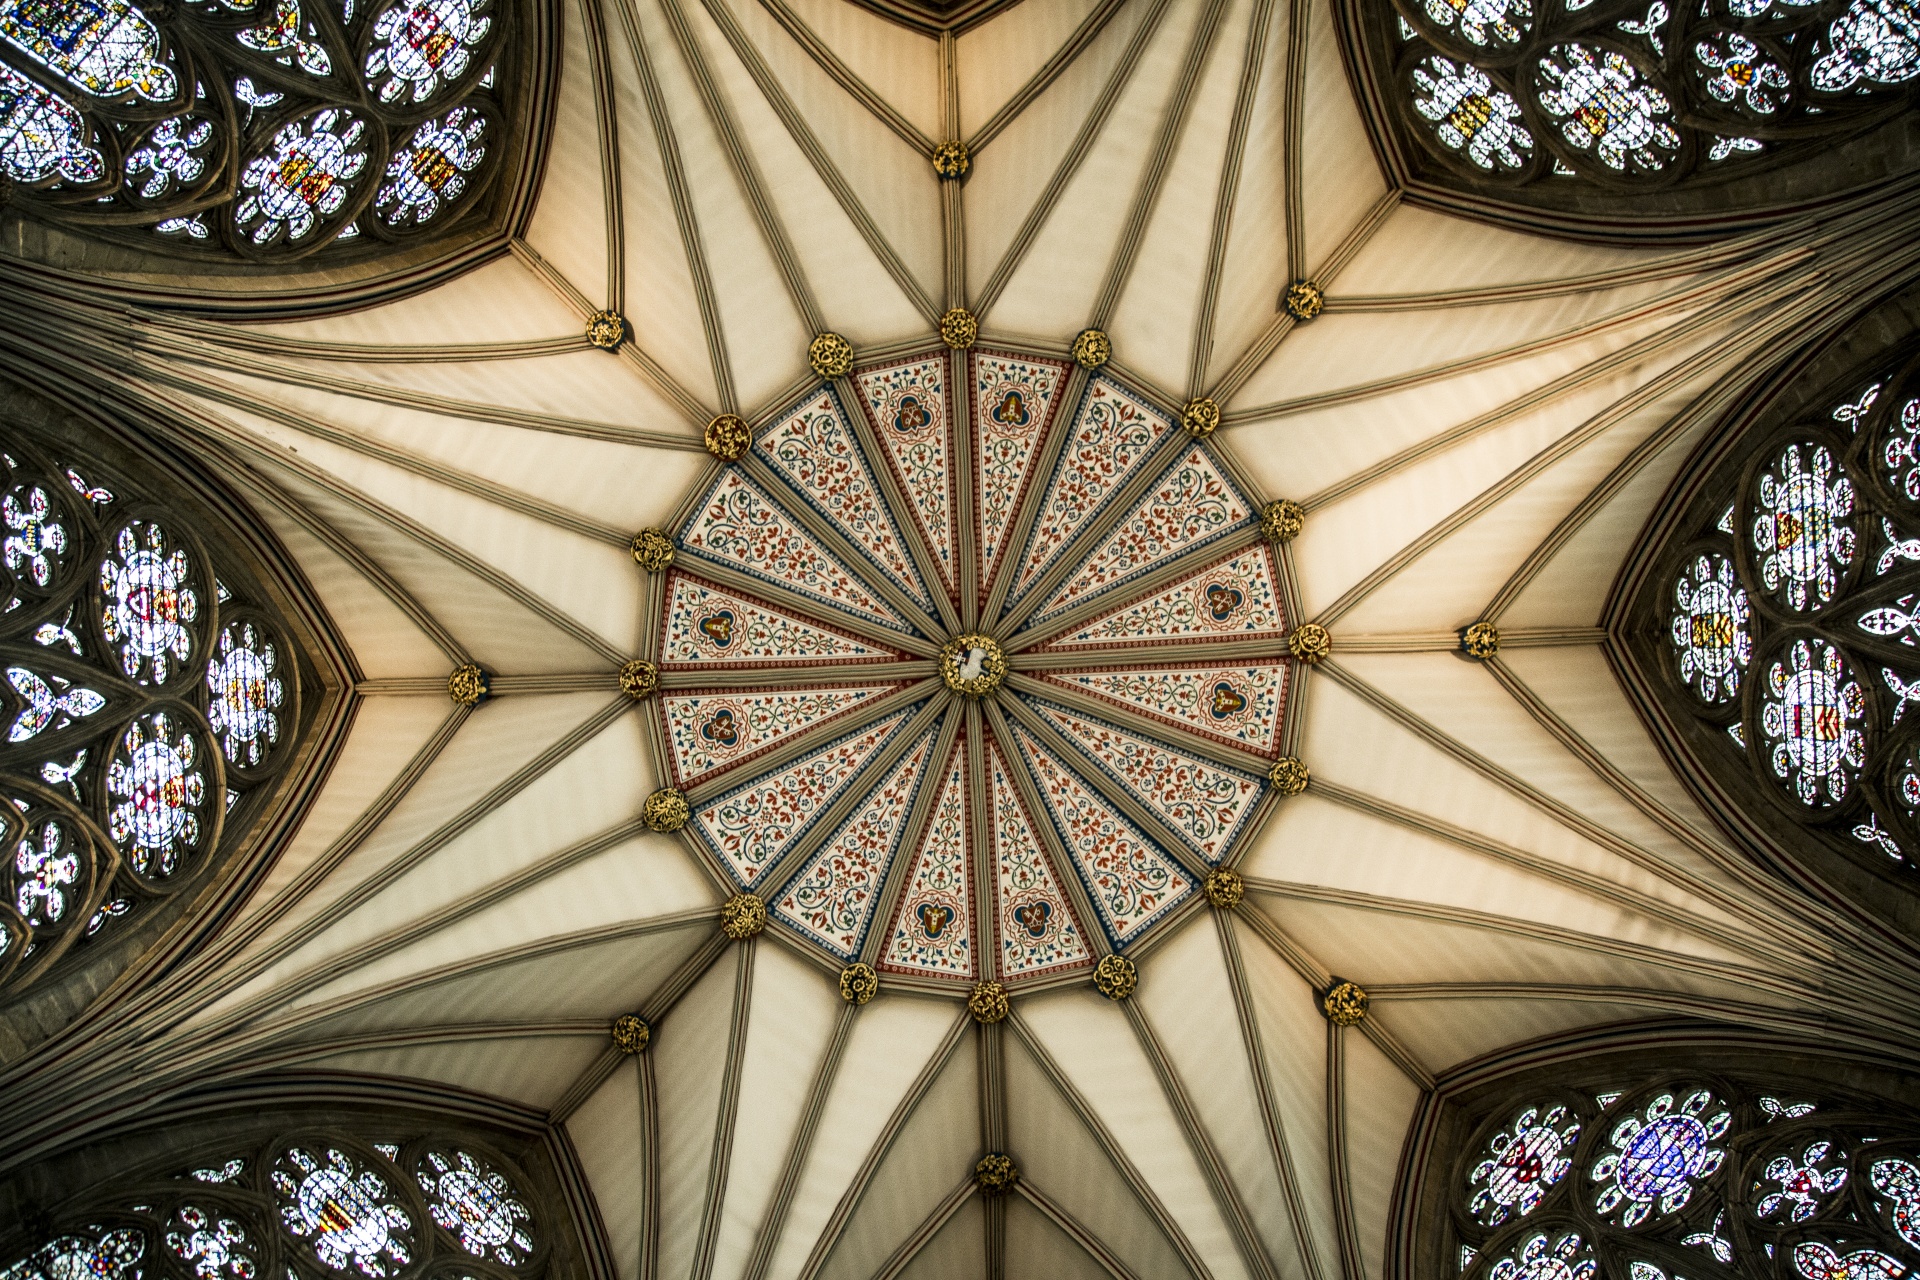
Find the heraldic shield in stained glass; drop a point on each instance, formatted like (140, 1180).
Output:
(972, 680)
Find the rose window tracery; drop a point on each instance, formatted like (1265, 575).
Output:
(1590, 105)
(147, 698)
(254, 128)
(973, 666)
(1791, 616)
(1657, 1177)
(302, 1206)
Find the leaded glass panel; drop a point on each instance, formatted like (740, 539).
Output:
(1663, 1174)
(1580, 104)
(1790, 616)
(148, 696)
(262, 128)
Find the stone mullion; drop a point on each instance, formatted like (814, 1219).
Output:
(904, 514)
(966, 542)
(1072, 555)
(866, 574)
(772, 592)
(1150, 583)
(1151, 823)
(786, 676)
(801, 743)
(1066, 411)
(1211, 748)
(851, 797)
(893, 884)
(1092, 924)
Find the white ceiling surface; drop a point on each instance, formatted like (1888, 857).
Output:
(486, 927)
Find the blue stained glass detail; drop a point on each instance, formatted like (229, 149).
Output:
(105, 47)
(42, 136)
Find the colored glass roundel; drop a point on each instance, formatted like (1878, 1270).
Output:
(1523, 1161)
(1684, 1178)
(955, 829)
(257, 128)
(144, 702)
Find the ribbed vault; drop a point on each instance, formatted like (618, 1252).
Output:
(1477, 426)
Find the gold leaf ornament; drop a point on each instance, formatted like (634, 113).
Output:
(742, 916)
(951, 161)
(1305, 300)
(606, 329)
(830, 355)
(859, 983)
(1289, 775)
(1282, 520)
(639, 678)
(959, 328)
(996, 1173)
(1201, 417)
(1224, 889)
(631, 1033)
(988, 1002)
(1115, 977)
(1092, 349)
(1310, 643)
(665, 811)
(652, 550)
(1345, 1004)
(728, 437)
(469, 686)
(1481, 640)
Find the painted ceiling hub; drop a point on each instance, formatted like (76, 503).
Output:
(973, 665)
(844, 603)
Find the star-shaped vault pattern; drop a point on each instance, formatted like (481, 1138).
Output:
(1477, 425)
(892, 819)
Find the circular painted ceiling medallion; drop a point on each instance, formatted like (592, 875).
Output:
(955, 676)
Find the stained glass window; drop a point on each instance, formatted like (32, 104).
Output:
(146, 696)
(329, 118)
(1789, 615)
(1522, 1162)
(1645, 95)
(1711, 633)
(1677, 1176)
(302, 1207)
(478, 1204)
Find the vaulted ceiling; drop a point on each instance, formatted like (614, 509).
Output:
(1478, 425)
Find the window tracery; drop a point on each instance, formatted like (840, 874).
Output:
(150, 696)
(305, 1205)
(1652, 1172)
(1594, 106)
(266, 129)
(1788, 616)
